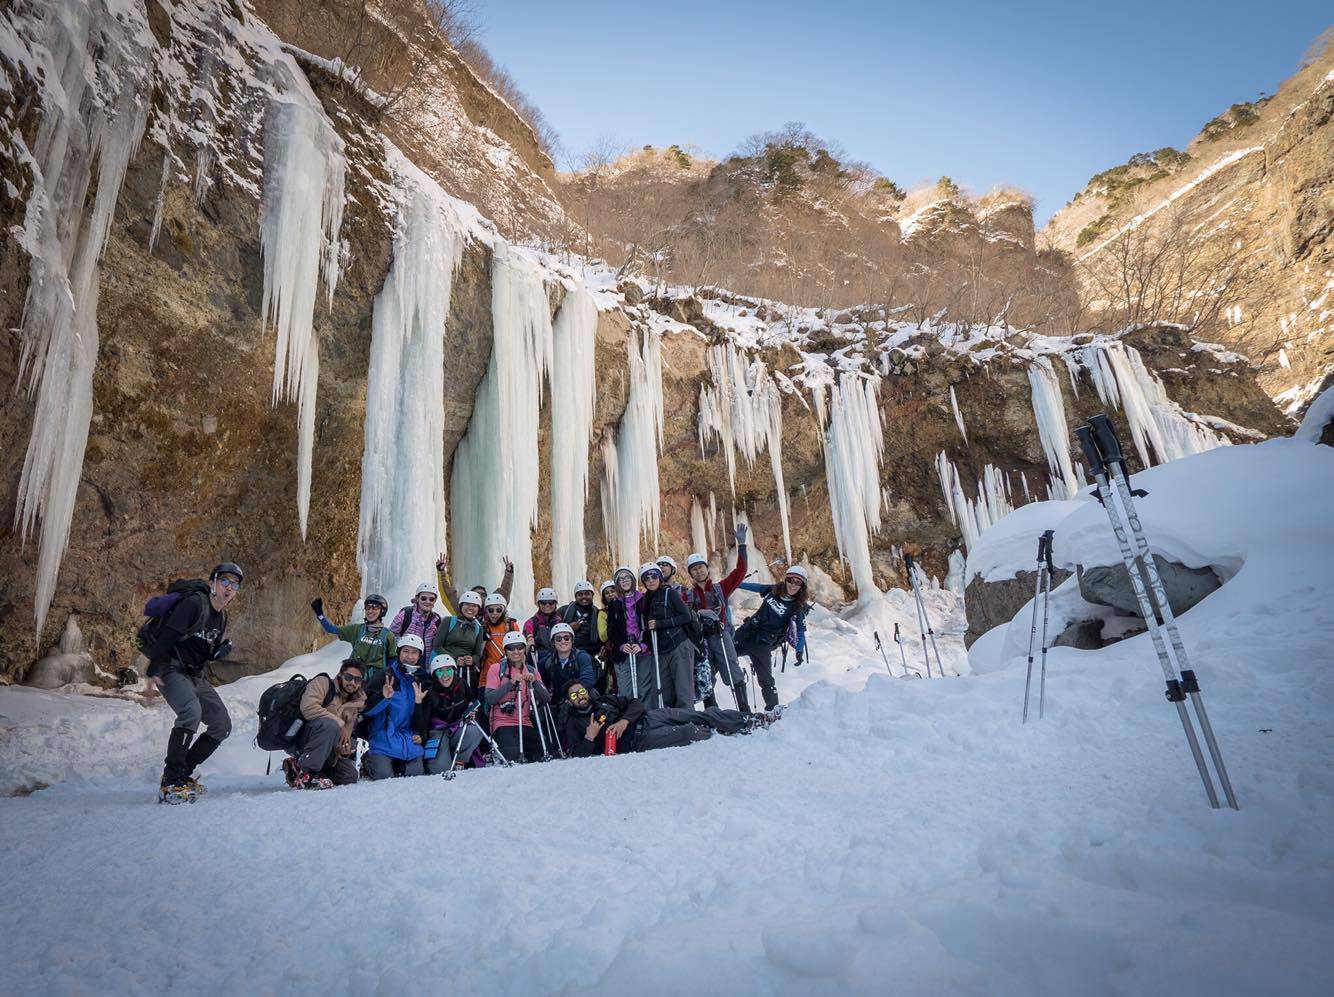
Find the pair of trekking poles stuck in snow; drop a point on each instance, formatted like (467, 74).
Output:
(923, 625)
(1102, 451)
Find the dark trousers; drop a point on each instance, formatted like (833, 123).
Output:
(507, 739)
(317, 752)
(762, 660)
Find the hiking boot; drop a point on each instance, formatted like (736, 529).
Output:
(196, 787)
(175, 795)
(318, 782)
(296, 777)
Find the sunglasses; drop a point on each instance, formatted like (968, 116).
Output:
(495, 609)
(229, 583)
(351, 679)
(444, 672)
(562, 637)
(426, 598)
(547, 602)
(578, 696)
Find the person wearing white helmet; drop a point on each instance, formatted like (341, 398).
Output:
(451, 595)
(627, 643)
(585, 620)
(537, 628)
(781, 617)
(710, 599)
(496, 623)
(511, 689)
(667, 565)
(439, 717)
(567, 661)
(395, 747)
(420, 617)
(463, 638)
(372, 642)
(663, 615)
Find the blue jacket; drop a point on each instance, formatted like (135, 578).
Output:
(577, 666)
(391, 720)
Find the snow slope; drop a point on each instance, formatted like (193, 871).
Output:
(886, 835)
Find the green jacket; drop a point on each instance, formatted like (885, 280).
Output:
(458, 637)
(371, 647)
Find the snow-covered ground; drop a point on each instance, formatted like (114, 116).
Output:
(885, 836)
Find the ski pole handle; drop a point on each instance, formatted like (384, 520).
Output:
(1046, 553)
(877, 639)
(896, 633)
(1104, 435)
(1096, 466)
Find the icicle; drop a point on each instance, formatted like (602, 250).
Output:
(94, 90)
(300, 216)
(954, 580)
(573, 389)
(958, 416)
(713, 522)
(854, 448)
(630, 497)
(973, 517)
(160, 201)
(1049, 412)
(403, 509)
(698, 536)
(494, 489)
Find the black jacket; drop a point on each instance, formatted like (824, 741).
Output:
(669, 609)
(446, 705)
(613, 708)
(189, 637)
(585, 624)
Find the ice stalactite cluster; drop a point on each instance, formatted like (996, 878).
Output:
(573, 390)
(1053, 431)
(974, 516)
(854, 446)
(495, 485)
(92, 60)
(630, 496)
(743, 408)
(301, 212)
(403, 510)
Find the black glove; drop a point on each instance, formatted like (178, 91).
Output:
(224, 649)
(317, 604)
(741, 530)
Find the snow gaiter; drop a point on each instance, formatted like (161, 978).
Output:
(175, 770)
(204, 746)
(742, 702)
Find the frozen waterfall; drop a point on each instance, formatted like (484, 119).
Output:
(573, 391)
(495, 484)
(973, 518)
(630, 496)
(854, 448)
(402, 466)
(93, 59)
(1053, 431)
(301, 213)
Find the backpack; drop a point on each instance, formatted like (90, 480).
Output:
(280, 719)
(158, 608)
(407, 621)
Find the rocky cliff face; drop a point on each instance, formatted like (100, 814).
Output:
(1257, 184)
(189, 460)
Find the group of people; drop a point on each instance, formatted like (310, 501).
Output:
(453, 681)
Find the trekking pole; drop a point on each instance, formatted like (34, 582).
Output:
(454, 760)
(537, 722)
(881, 648)
(555, 731)
(657, 673)
(1046, 609)
(898, 639)
(784, 666)
(1109, 447)
(1033, 630)
(1175, 695)
(917, 601)
(495, 748)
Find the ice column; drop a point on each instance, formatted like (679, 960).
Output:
(744, 409)
(494, 488)
(958, 416)
(630, 498)
(301, 213)
(854, 448)
(699, 537)
(94, 68)
(1049, 411)
(573, 385)
(402, 466)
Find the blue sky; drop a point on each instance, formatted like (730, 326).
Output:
(1040, 95)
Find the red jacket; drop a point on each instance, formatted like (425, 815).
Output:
(711, 596)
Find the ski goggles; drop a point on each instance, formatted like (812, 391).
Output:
(444, 672)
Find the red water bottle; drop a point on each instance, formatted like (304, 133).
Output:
(610, 749)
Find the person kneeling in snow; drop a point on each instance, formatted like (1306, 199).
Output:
(587, 717)
(439, 718)
(325, 752)
(395, 749)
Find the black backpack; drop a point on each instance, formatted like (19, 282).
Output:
(158, 608)
(280, 719)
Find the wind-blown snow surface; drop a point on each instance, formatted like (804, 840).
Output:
(885, 835)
